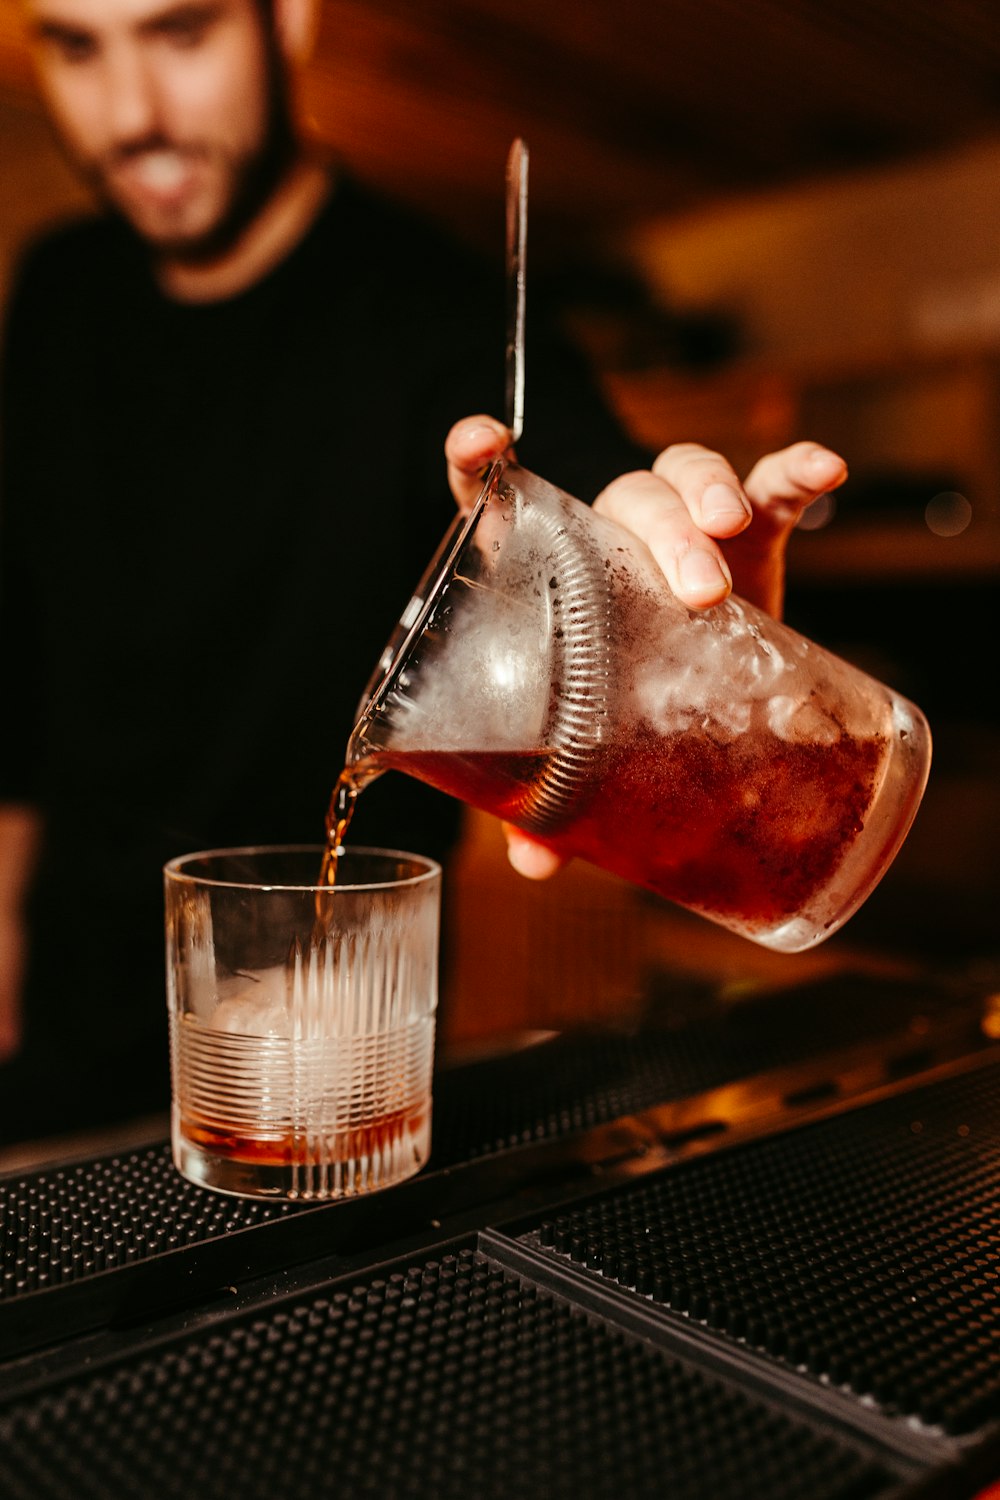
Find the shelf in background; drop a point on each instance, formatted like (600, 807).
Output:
(906, 421)
(894, 550)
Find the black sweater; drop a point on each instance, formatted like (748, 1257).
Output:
(213, 516)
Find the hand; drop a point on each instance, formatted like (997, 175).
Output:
(682, 508)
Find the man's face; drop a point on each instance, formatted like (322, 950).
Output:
(171, 108)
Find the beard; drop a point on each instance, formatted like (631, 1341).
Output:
(245, 179)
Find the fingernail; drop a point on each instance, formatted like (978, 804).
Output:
(702, 572)
(481, 435)
(722, 504)
(822, 458)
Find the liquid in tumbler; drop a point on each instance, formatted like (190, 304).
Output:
(338, 1120)
(302, 1019)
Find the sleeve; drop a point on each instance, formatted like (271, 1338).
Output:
(20, 739)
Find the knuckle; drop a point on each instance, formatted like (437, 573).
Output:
(685, 452)
(635, 482)
(789, 459)
(670, 534)
(686, 463)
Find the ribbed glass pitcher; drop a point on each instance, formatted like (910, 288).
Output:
(545, 672)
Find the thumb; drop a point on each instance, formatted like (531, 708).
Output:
(470, 447)
(528, 857)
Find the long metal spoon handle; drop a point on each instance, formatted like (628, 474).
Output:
(517, 236)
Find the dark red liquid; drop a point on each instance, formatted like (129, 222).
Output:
(379, 1135)
(338, 818)
(748, 830)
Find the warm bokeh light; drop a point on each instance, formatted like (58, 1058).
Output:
(991, 1017)
(948, 514)
(819, 514)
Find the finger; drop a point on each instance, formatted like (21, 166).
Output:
(708, 486)
(470, 447)
(528, 857)
(651, 508)
(782, 484)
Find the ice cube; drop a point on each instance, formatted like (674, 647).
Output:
(802, 723)
(254, 1003)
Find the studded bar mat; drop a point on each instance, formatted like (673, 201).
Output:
(861, 1252)
(77, 1241)
(447, 1378)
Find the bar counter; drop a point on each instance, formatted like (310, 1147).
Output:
(749, 1254)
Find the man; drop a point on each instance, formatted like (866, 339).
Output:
(223, 409)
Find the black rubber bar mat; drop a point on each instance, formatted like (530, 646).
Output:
(78, 1242)
(445, 1378)
(578, 1081)
(861, 1252)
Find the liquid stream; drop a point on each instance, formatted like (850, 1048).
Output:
(338, 817)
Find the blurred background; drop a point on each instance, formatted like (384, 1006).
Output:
(764, 222)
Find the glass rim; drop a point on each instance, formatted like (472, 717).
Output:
(174, 869)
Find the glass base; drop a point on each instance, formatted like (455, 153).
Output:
(306, 1169)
